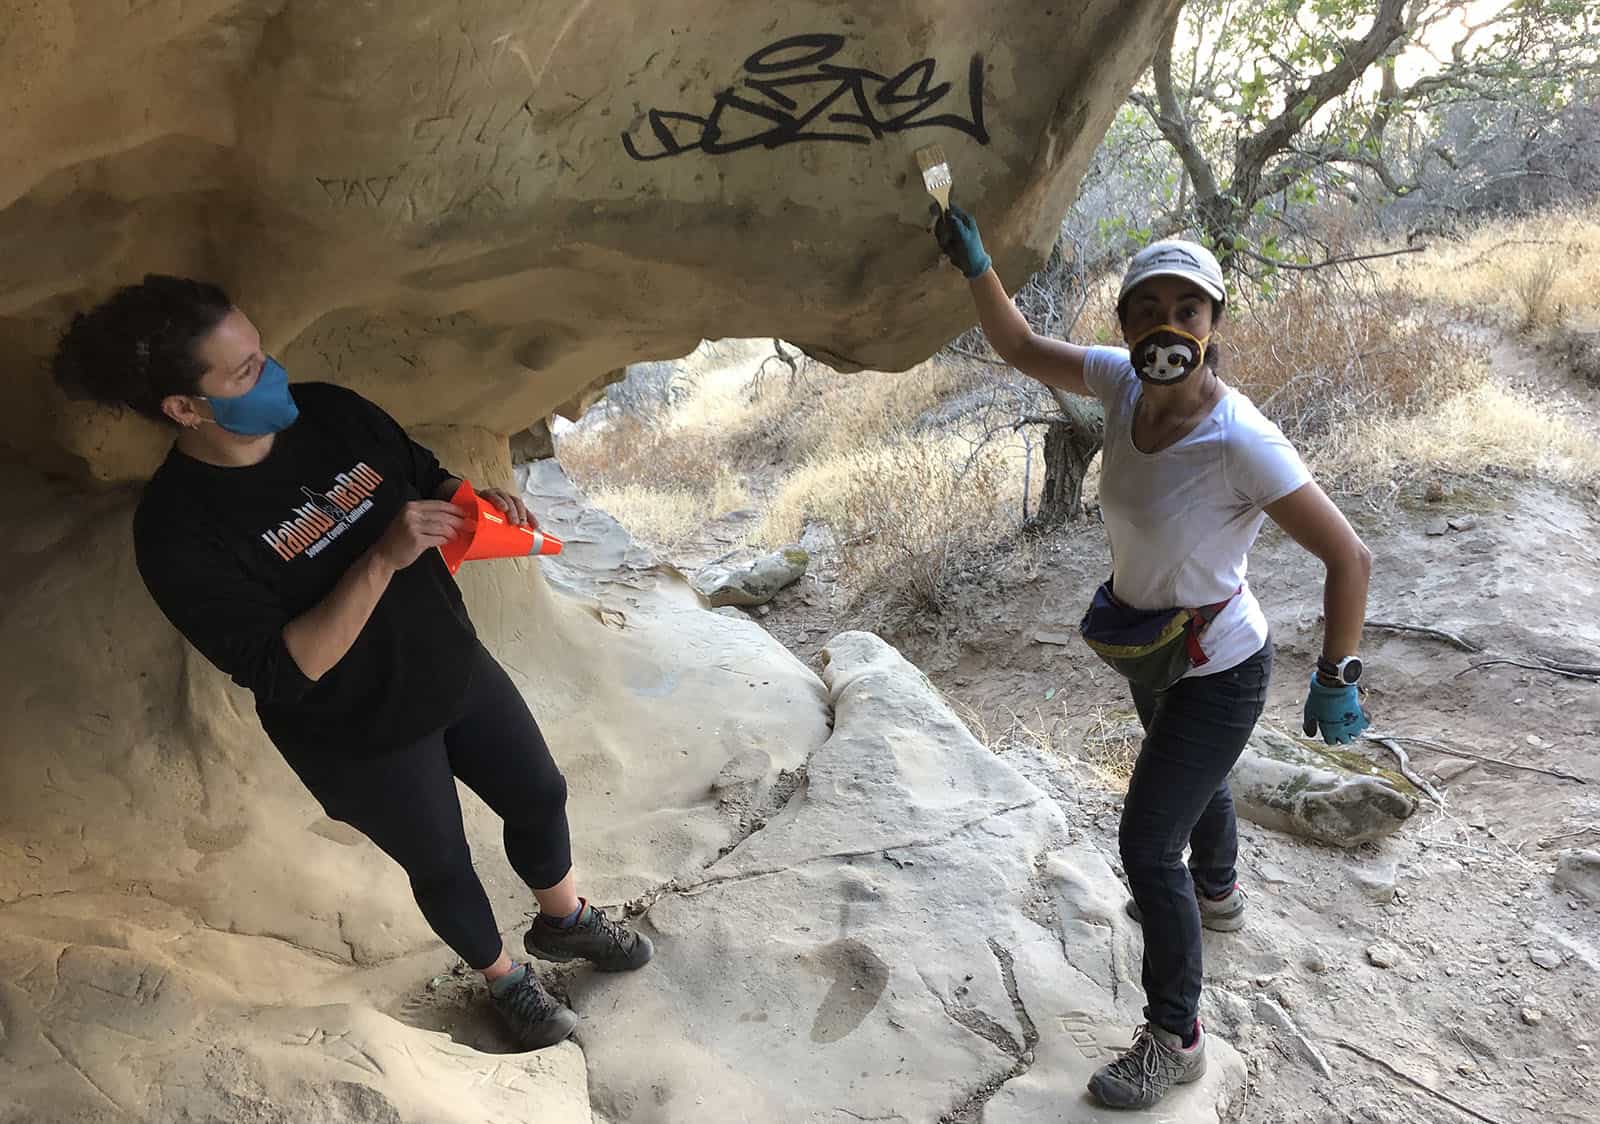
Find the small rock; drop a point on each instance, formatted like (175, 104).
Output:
(1535, 740)
(1437, 527)
(1377, 881)
(1532, 1016)
(1578, 872)
(1547, 958)
(1382, 956)
(1451, 768)
(1232, 1011)
(1063, 639)
(1480, 819)
(1271, 1014)
(1316, 963)
(1463, 522)
(763, 610)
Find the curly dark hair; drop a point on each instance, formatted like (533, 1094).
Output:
(138, 346)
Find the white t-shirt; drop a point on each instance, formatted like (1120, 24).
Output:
(1182, 521)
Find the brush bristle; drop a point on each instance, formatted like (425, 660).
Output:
(930, 156)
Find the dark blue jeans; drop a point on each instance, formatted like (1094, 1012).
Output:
(1194, 732)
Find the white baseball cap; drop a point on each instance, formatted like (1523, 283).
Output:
(1174, 257)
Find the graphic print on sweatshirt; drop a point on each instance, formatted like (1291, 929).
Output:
(324, 516)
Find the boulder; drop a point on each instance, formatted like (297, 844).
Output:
(880, 935)
(1338, 798)
(754, 583)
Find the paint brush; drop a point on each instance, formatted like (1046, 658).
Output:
(935, 173)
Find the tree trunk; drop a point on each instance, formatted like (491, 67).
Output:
(1070, 443)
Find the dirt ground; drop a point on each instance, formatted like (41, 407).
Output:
(1438, 975)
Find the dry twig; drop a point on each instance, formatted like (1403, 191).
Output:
(1406, 770)
(1412, 1081)
(1456, 751)
(1435, 633)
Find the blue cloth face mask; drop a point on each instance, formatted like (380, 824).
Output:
(265, 408)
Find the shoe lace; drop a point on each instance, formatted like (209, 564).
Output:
(529, 1001)
(1146, 1062)
(619, 935)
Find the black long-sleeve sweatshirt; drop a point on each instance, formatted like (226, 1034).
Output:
(231, 555)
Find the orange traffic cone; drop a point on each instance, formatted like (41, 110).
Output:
(489, 534)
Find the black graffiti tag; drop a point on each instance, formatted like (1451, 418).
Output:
(847, 104)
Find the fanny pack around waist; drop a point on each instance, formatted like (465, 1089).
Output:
(1151, 648)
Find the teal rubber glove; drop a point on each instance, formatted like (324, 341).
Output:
(957, 235)
(1335, 711)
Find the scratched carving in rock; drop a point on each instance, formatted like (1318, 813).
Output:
(793, 92)
(1083, 1029)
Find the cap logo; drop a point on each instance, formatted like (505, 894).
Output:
(1174, 254)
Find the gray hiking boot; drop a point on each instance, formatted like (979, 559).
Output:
(594, 937)
(1223, 915)
(537, 1019)
(1151, 1067)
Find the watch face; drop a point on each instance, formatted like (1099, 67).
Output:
(1350, 669)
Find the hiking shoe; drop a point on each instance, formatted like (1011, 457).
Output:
(594, 937)
(537, 1019)
(1151, 1067)
(1224, 915)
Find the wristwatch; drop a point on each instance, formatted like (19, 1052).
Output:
(1345, 673)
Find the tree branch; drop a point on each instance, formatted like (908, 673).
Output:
(1169, 117)
(1305, 267)
(1253, 152)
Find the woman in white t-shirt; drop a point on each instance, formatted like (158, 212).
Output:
(1190, 469)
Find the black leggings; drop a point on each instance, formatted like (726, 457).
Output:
(1194, 732)
(405, 802)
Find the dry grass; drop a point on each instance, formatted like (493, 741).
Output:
(1111, 746)
(907, 512)
(1537, 270)
(1486, 428)
(666, 476)
(1372, 377)
(1317, 359)
(828, 414)
(1105, 752)
(655, 515)
(668, 515)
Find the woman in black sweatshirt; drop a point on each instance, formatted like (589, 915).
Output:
(290, 535)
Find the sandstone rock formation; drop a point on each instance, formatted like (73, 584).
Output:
(471, 211)
(475, 212)
(176, 912)
(841, 882)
